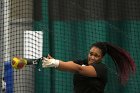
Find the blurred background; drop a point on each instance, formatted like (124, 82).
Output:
(65, 29)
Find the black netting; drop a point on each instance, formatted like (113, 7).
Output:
(65, 29)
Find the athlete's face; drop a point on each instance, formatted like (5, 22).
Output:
(94, 56)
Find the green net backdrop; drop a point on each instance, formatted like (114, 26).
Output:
(65, 29)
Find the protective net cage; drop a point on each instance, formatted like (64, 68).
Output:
(64, 29)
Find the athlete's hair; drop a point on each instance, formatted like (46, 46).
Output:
(123, 61)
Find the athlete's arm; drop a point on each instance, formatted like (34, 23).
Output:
(73, 67)
(69, 66)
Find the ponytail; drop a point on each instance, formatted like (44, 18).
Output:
(123, 61)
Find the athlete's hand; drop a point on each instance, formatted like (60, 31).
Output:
(49, 62)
